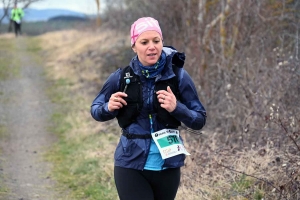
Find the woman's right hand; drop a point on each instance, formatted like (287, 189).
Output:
(116, 101)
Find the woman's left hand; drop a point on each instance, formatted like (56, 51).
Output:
(167, 99)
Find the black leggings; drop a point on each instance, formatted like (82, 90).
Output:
(147, 185)
(17, 28)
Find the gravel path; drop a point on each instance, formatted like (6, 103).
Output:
(25, 111)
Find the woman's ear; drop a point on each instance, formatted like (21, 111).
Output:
(133, 48)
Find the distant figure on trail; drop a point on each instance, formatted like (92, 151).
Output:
(150, 98)
(16, 16)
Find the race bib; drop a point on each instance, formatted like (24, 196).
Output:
(169, 143)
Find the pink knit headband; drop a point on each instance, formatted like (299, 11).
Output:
(141, 25)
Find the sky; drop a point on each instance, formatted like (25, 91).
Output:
(83, 6)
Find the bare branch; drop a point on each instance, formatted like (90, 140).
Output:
(266, 181)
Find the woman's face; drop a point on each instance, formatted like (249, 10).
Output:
(148, 47)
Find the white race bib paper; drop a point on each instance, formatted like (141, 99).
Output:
(169, 143)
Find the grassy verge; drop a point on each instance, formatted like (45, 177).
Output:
(37, 28)
(9, 65)
(33, 46)
(9, 68)
(82, 164)
(3, 189)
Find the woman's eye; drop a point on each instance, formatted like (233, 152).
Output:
(144, 43)
(156, 42)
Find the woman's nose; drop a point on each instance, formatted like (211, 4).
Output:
(151, 45)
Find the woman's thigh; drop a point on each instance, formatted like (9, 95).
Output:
(147, 185)
(165, 183)
(132, 185)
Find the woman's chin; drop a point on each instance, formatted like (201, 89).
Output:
(152, 62)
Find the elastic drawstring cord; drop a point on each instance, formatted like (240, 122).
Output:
(151, 123)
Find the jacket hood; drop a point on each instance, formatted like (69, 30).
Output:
(177, 58)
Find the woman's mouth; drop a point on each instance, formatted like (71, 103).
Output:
(151, 54)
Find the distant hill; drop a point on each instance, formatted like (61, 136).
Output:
(68, 18)
(35, 15)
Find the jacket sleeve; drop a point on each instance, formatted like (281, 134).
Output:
(189, 109)
(99, 108)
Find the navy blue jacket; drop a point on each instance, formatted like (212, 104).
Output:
(132, 153)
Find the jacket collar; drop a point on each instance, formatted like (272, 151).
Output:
(173, 58)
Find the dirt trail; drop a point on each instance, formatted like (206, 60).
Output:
(25, 111)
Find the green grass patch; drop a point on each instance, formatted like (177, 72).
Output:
(3, 188)
(82, 175)
(258, 194)
(242, 184)
(242, 188)
(9, 68)
(76, 169)
(33, 45)
(38, 28)
(6, 44)
(9, 62)
(3, 131)
(34, 48)
(61, 126)
(245, 186)
(57, 91)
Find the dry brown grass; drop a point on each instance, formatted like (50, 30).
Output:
(62, 50)
(7, 36)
